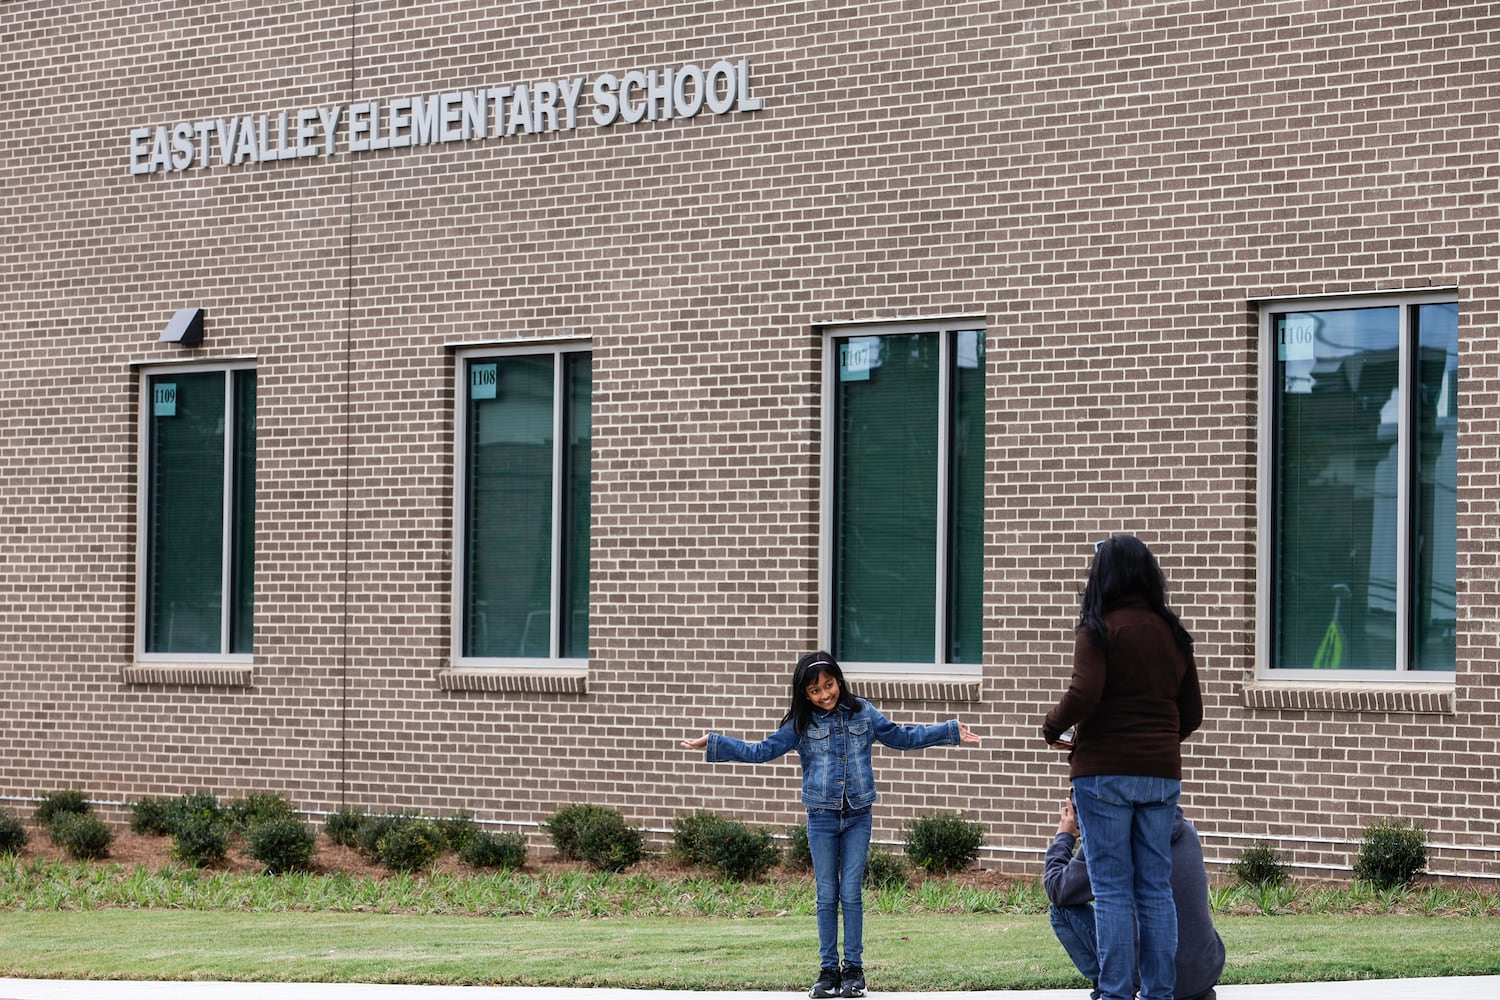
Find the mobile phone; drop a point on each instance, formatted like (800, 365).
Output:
(1066, 739)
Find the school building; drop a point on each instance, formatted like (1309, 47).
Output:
(451, 406)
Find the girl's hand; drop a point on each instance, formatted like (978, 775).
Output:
(966, 735)
(697, 744)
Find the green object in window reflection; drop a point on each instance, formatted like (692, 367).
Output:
(1330, 654)
(1331, 650)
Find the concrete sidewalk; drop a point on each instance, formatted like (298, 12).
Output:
(1462, 988)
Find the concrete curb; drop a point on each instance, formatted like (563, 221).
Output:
(1458, 988)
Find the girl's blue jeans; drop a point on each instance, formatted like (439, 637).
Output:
(1126, 823)
(839, 841)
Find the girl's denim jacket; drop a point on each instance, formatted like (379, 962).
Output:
(835, 752)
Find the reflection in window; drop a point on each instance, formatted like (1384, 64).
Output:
(200, 503)
(526, 476)
(1365, 469)
(907, 492)
(1435, 489)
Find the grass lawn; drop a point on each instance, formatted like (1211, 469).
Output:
(657, 925)
(904, 951)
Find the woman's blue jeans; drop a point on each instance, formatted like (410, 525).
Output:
(839, 841)
(1126, 823)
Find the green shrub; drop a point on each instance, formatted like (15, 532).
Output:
(690, 834)
(740, 852)
(55, 804)
(374, 829)
(798, 853)
(199, 837)
(193, 810)
(151, 817)
(610, 845)
(282, 844)
(411, 846)
(459, 830)
(566, 827)
(943, 842)
(13, 835)
(494, 850)
(342, 827)
(884, 870)
(596, 835)
(83, 835)
(1391, 855)
(259, 807)
(1259, 865)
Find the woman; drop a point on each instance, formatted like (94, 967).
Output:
(1132, 700)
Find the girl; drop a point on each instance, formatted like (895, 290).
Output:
(832, 732)
(1132, 700)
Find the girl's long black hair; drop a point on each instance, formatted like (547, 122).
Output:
(808, 669)
(1124, 568)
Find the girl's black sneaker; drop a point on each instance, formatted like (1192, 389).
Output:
(827, 984)
(852, 981)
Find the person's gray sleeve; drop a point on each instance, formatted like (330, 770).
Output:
(1065, 875)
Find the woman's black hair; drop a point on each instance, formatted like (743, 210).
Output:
(1124, 568)
(808, 669)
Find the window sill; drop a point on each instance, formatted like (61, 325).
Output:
(1426, 699)
(530, 682)
(190, 674)
(885, 688)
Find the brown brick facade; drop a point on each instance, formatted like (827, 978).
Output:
(1112, 187)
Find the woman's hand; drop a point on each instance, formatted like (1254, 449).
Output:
(966, 735)
(697, 744)
(1063, 741)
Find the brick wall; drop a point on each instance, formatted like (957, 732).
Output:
(1112, 186)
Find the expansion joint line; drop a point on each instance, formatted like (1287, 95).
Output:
(348, 441)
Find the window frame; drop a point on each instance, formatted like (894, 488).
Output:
(554, 662)
(946, 329)
(144, 375)
(1406, 303)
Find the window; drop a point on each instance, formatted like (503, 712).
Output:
(523, 507)
(198, 495)
(904, 488)
(1359, 504)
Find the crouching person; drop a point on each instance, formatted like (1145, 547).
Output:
(1065, 878)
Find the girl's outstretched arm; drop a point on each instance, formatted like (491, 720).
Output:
(717, 747)
(896, 737)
